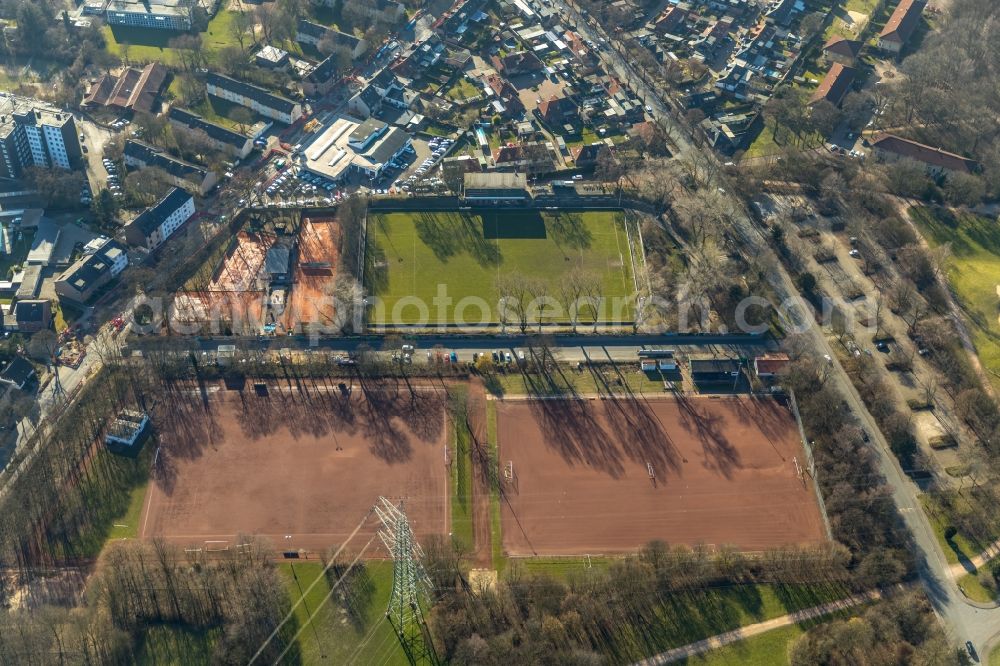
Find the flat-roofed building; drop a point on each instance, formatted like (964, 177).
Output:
(495, 188)
(348, 146)
(128, 428)
(156, 14)
(32, 133)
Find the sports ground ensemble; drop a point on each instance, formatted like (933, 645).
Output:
(414, 255)
(302, 472)
(576, 476)
(588, 476)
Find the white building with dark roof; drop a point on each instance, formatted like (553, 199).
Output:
(314, 34)
(94, 270)
(222, 138)
(155, 225)
(254, 98)
(180, 173)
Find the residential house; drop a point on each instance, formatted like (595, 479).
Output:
(670, 19)
(254, 98)
(842, 50)
(421, 58)
(139, 155)
(531, 156)
(222, 138)
(587, 156)
(91, 272)
(131, 90)
(155, 225)
(835, 85)
(323, 78)
(901, 25)
(384, 11)
(33, 315)
(514, 64)
(315, 34)
(501, 89)
(384, 88)
(890, 148)
(271, 57)
(18, 373)
(559, 111)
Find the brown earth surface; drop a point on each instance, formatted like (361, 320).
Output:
(723, 473)
(301, 460)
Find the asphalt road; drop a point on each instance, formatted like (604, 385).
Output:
(569, 348)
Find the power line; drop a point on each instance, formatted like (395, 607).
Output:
(409, 582)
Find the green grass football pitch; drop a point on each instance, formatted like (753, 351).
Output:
(413, 256)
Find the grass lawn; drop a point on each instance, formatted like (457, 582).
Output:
(995, 656)
(217, 110)
(973, 271)
(687, 616)
(768, 143)
(119, 503)
(126, 526)
(568, 382)
(969, 583)
(960, 546)
(461, 482)
(151, 45)
(18, 251)
(462, 90)
(340, 631)
(414, 256)
(767, 649)
(499, 561)
(169, 645)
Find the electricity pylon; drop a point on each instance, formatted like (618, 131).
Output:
(409, 582)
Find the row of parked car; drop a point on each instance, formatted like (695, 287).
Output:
(439, 148)
(114, 183)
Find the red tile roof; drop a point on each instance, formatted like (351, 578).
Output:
(835, 85)
(838, 45)
(903, 21)
(936, 157)
(771, 364)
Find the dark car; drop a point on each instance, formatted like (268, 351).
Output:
(971, 649)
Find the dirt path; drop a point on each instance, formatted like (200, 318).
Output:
(720, 640)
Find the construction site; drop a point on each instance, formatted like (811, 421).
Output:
(270, 279)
